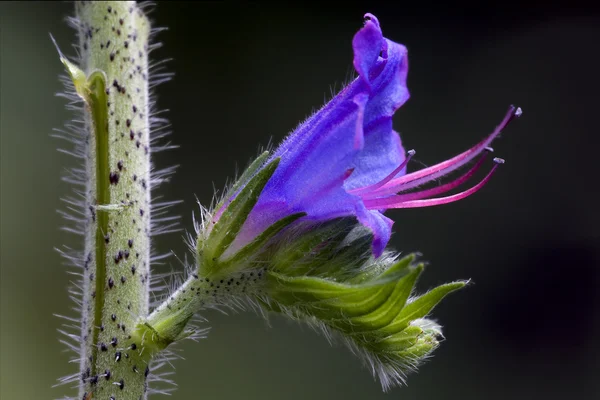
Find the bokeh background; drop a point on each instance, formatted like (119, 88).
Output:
(246, 75)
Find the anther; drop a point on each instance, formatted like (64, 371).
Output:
(518, 112)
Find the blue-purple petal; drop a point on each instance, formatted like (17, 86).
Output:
(347, 144)
(367, 45)
(380, 226)
(381, 155)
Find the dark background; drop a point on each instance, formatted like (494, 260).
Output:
(247, 74)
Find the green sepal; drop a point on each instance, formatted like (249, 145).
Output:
(424, 346)
(246, 175)
(372, 311)
(293, 255)
(254, 248)
(379, 271)
(398, 342)
(323, 248)
(361, 303)
(233, 217)
(347, 258)
(391, 307)
(306, 291)
(358, 307)
(420, 307)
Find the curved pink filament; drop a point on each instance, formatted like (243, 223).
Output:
(385, 180)
(375, 203)
(425, 175)
(392, 202)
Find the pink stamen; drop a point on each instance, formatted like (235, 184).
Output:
(382, 203)
(425, 175)
(385, 180)
(392, 202)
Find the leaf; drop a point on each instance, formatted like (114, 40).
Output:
(77, 75)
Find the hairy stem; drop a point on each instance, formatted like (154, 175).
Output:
(168, 323)
(113, 43)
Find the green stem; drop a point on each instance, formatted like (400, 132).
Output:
(113, 41)
(168, 322)
(98, 106)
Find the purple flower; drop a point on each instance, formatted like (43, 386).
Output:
(346, 159)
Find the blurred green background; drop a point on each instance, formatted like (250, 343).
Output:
(247, 74)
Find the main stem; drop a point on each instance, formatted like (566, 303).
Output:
(113, 42)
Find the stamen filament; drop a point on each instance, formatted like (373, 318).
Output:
(393, 203)
(385, 180)
(425, 175)
(374, 203)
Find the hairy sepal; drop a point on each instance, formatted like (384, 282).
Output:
(373, 313)
(213, 243)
